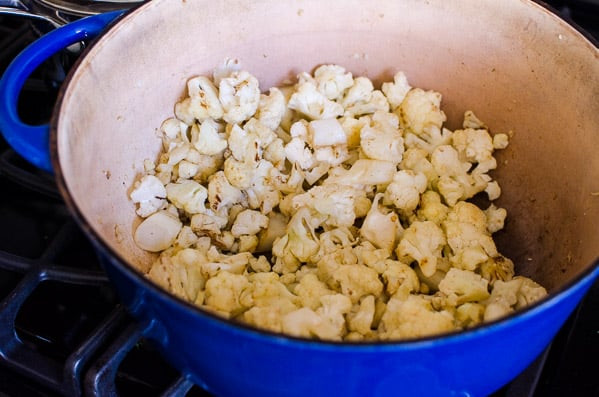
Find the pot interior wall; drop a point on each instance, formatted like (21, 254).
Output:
(512, 62)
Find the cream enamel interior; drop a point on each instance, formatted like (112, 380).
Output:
(512, 62)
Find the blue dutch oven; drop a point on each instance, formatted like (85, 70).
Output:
(518, 66)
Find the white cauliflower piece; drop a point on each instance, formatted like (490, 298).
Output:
(495, 218)
(223, 292)
(396, 91)
(150, 194)
(413, 317)
(361, 98)
(357, 281)
(422, 242)
(249, 222)
(207, 139)
(326, 132)
(382, 144)
(352, 128)
(310, 102)
(187, 195)
(405, 189)
(500, 141)
(302, 322)
(221, 194)
(310, 289)
(202, 103)
(271, 108)
(475, 146)
(332, 80)
(332, 316)
(512, 295)
(466, 228)
(421, 115)
(493, 190)
(431, 208)
(298, 244)
(180, 274)
(360, 320)
(455, 183)
(417, 160)
(365, 172)
(334, 201)
(157, 232)
(381, 226)
(466, 285)
(497, 268)
(400, 277)
(239, 95)
(297, 152)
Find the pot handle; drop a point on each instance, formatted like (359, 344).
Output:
(32, 142)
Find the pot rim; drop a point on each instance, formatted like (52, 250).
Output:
(238, 327)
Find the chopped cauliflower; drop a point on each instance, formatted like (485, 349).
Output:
(328, 208)
(239, 95)
(150, 194)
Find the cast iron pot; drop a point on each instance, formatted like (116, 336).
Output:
(518, 66)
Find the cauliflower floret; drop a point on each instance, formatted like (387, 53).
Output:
(381, 226)
(475, 146)
(382, 144)
(431, 208)
(357, 281)
(202, 103)
(298, 153)
(332, 316)
(400, 277)
(364, 172)
(271, 108)
(413, 317)
(497, 268)
(332, 80)
(298, 244)
(310, 289)
(396, 91)
(187, 195)
(420, 112)
(512, 295)
(239, 95)
(207, 139)
(352, 127)
(223, 292)
(466, 227)
(334, 201)
(360, 320)
(422, 242)
(180, 274)
(466, 285)
(150, 194)
(417, 160)
(404, 192)
(455, 183)
(500, 141)
(326, 132)
(495, 218)
(266, 290)
(361, 98)
(249, 222)
(310, 102)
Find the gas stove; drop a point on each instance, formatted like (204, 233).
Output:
(63, 331)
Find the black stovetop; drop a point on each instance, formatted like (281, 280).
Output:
(62, 329)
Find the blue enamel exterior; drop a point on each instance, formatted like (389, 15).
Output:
(234, 360)
(29, 141)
